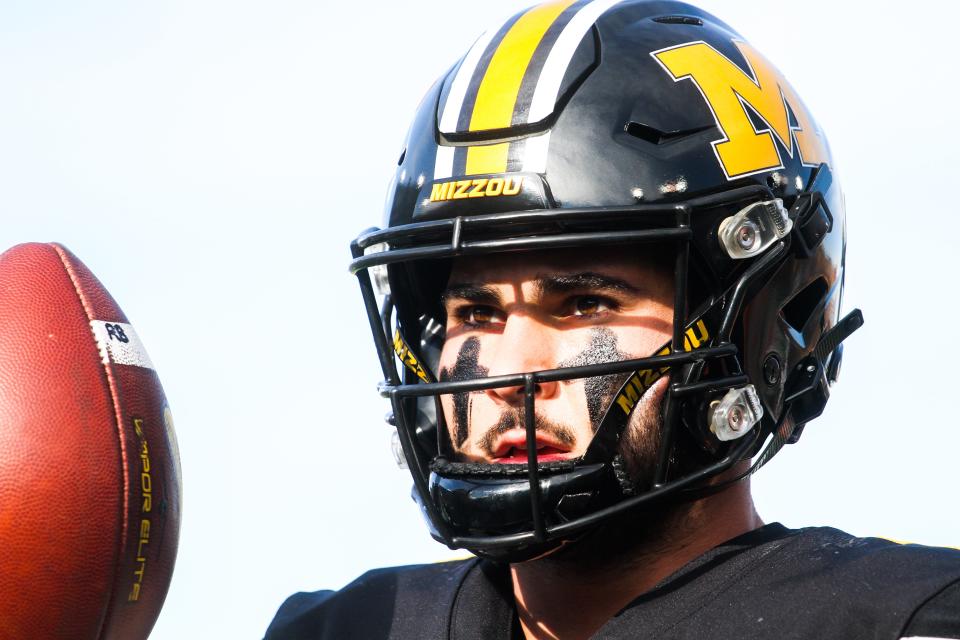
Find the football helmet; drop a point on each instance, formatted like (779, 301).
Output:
(597, 122)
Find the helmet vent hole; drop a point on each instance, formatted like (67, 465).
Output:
(656, 136)
(697, 22)
(403, 155)
(798, 311)
(644, 132)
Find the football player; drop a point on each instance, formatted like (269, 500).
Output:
(608, 291)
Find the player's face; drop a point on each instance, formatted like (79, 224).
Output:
(514, 313)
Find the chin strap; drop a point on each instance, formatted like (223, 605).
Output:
(807, 390)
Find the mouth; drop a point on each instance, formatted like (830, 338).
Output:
(511, 448)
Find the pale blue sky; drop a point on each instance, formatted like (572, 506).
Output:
(211, 160)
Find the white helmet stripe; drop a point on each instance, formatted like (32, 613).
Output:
(455, 97)
(534, 155)
(460, 84)
(548, 84)
(444, 165)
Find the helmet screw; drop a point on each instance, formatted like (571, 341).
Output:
(747, 235)
(771, 369)
(811, 368)
(735, 417)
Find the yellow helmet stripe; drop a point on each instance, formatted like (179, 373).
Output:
(487, 158)
(498, 92)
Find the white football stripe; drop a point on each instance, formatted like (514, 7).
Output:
(548, 84)
(119, 343)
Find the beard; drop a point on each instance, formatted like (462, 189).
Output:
(639, 445)
(641, 440)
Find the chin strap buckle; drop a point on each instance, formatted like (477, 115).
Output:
(808, 386)
(806, 393)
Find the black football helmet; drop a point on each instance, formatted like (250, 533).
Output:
(596, 122)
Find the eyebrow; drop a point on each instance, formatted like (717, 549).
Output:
(545, 285)
(471, 292)
(586, 281)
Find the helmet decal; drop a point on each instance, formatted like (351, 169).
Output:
(729, 92)
(638, 383)
(409, 358)
(476, 188)
(512, 76)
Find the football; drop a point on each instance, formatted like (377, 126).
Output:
(89, 469)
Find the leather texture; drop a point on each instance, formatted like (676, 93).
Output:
(89, 472)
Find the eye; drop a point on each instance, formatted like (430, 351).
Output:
(479, 315)
(590, 305)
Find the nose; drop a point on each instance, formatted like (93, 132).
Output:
(525, 345)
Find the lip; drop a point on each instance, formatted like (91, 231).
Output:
(511, 448)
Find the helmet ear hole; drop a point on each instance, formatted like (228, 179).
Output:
(804, 305)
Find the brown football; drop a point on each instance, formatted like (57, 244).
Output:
(89, 470)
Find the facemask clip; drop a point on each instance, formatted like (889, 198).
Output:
(734, 415)
(754, 229)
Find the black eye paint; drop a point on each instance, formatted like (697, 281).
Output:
(599, 390)
(466, 367)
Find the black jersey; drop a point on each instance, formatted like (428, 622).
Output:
(770, 583)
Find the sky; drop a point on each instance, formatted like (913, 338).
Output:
(210, 161)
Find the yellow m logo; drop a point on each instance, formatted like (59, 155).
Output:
(729, 92)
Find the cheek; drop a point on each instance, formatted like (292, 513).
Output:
(460, 349)
(460, 360)
(645, 341)
(447, 403)
(643, 344)
(448, 355)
